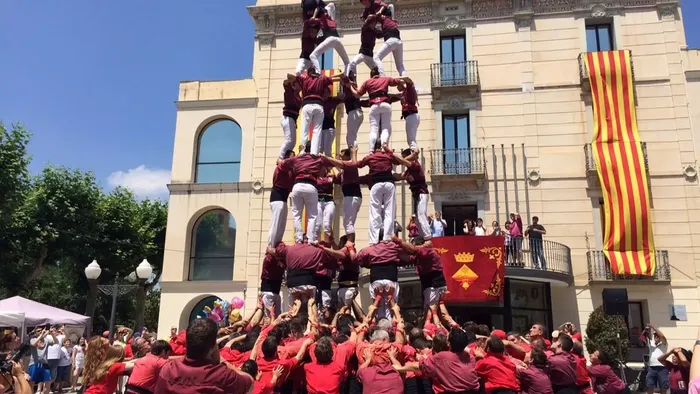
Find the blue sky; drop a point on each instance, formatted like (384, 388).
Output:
(95, 81)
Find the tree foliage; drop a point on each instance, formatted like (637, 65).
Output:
(53, 224)
(608, 333)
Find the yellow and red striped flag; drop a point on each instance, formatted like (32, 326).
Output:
(334, 92)
(628, 239)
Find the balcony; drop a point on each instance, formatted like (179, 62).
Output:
(592, 168)
(462, 163)
(585, 77)
(599, 270)
(542, 261)
(459, 77)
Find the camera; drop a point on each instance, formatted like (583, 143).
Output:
(6, 365)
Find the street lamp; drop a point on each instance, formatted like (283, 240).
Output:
(92, 273)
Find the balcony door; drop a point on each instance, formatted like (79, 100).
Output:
(455, 215)
(455, 142)
(453, 57)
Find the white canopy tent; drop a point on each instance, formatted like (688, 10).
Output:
(13, 319)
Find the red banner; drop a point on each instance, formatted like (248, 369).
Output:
(474, 267)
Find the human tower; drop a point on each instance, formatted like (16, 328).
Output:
(307, 178)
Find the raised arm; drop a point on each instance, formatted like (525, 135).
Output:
(408, 247)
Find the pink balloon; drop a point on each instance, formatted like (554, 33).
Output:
(237, 303)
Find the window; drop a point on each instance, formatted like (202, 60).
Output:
(455, 141)
(635, 323)
(213, 246)
(528, 302)
(326, 60)
(599, 38)
(219, 153)
(453, 55)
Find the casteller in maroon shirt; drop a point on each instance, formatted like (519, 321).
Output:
(188, 376)
(378, 88)
(383, 378)
(562, 370)
(382, 259)
(308, 38)
(313, 87)
(429, 268)
(534, 380)
(302, 262)
(409, 100)
(307, 167)
(451, 372)
(292, 101)
(416, 178)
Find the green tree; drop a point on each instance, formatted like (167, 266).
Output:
(152, 309)
(608, 333)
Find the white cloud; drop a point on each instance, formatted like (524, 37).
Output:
(144, 182)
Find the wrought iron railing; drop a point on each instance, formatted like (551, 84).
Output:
(463, 161)
(590, 159)
(538, 254)
(455, 74)
(599, 268)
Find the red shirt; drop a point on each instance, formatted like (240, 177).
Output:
(235, 357)
(108, 383)
(416, 178)
(282, 178)
(450, 372)
(379, 162)
(534, 380)
(379, 351)
(314, 86)
(263, 387)
(498, 372)
(582, 379)
(381, 253)
(604, 380)
(377, 88)
(519, 355)
(187, 376)
(562, 369)
(146, 371)
(266, 366)
(301, 256)
(292, 101)
(382, 379)
(678, 375)
(409, 99)
(273, 268)
(305, 166)
(326, 378)
(427, 260)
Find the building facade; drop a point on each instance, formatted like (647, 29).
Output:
(506, 125)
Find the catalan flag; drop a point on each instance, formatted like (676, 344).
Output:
(628, 239)
(334, 92)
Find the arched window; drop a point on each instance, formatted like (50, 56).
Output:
(213, 246)
(219, 153)
(198, 310)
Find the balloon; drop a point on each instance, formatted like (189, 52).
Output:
(237, 303)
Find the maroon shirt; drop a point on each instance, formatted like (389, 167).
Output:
(678, 374)
(308, 38)
(305, 166)
(389, 23)
(325, 185)
(329, 264)
(187, 376)
(273, 268)
(314, 86)
(381, 379)
(374, 7)
(377, 88)
(604, 380)
(330, 104)
(327, 23)
(451, 372)
(534, 380)
(301, 256)
(416, 178)
(368, 36)
(409, 100)
(562, 369)
(379, 162)
(282, 178)
(381, 253)
(292, 102)
(427, 260)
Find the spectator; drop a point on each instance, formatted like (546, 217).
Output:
(657, 374)
(64, 365)
(146, 369)
(102, 373)
(412, 228)
(468, 227)
(678, 369)
(438, 225)
(496, 229)
(507, 242)
(14, 381)
(39, 371)
(202, 369)
(480, 230)
(78, 361)
(535, 232)
(516, 237)
(54, 341)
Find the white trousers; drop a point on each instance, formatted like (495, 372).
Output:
(379, 114)
(412, 123)
(355, 119)
(360, 58)
(351, 206)
(382, 194)
(346, 295)
(289, 127)
(303, 65)
(312, 114)
(278, 222)
(381, 286)
(395, 46)
(432, 296)
(422, 216)
(303, 293)
(330, 43)
(326, 210)
(304, 195)
(269, 299)
(327, 140)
